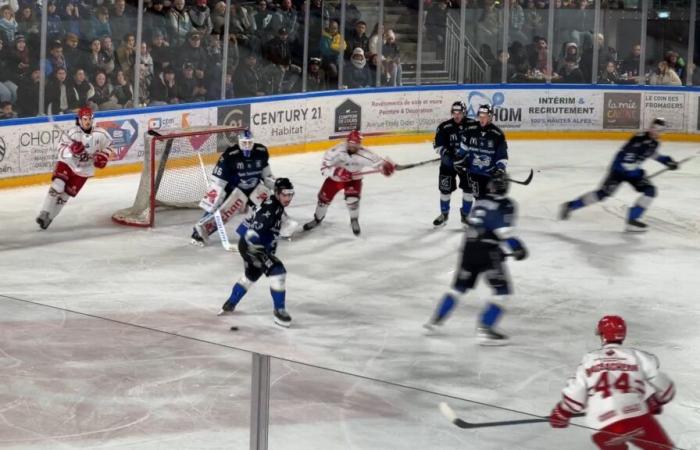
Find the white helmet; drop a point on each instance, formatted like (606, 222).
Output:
(245, 142)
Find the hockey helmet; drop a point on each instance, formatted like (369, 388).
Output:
(355, 137)
(284, 187)
(498, 185)
(612, 329)
(459, 106)
(245, 142)
(85, 111)
(485, 109)
(658, 124)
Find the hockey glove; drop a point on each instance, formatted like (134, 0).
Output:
(672, 165)
(497, 172)
(100, 159)
(517, 249)
(520, 253)
(388, 168)
(77, 148)
(559, 418)
(342, 174)
(654, 405)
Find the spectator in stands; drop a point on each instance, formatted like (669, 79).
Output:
(288, 19)
(332, 47)
(234, 54)
(569, 51)
(108, 55)
(71, 19)
(123, 91)
(160, 51)
(356, 37)
(28, 94)
(103, 98)
(263, 22)
(392, 58)
(83, 88)
(242, 26)
(8, 89)
(147, 62)
(436, 25)
(374, 66)
(489, 25)
(214, 88)
(120, 20)
(570, 72)
(218, 18)
(54, 25)
(610, 74)
(281, 78)
(6, 111)
(99, 24)
(93, 61)
(517, 22)
(55, 58)
(164, 88)
(374, 42)
(630, 65)
(318, 22)
(316, 79)
(665, 76)
(73, 56)
(192, 52)
(179, 24)
(502, 64)
(27, 23)
(60, 96)
(537, 54)
(246, 80)
(278, 49)
(155, 20)
(676, 63)
(357, 74)
(352, 15)
(125, 55)
(534, 20)
(18, 60)
(200, 16)
(187, 84)
(8, 24)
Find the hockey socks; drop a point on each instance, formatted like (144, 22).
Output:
(447, 304)
(445, 204)
(278, 290)
(490, 315)
(237, 294)
(467, 200)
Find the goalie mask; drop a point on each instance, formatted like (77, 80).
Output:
(84, 119)
(245, 142)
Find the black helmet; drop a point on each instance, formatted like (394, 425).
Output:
(498, 185)
(658, 124)
(459, 106)
(284, 186)
(485, 109)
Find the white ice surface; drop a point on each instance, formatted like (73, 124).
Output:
(71, 381)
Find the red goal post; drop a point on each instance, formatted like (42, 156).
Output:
(171, 175)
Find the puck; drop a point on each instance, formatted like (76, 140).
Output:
(234, 328)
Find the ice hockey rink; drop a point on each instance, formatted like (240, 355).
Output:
(109, 336)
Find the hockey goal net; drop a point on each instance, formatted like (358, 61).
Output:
(172, 173)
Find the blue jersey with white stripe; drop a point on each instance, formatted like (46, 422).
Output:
(482, 149)
(629, 159)
(492, 221)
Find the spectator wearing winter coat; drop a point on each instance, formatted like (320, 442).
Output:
(126, 54)
(357, 38)
(18, 60)
(103, 98)
(155, 20)
(218, 18)
(83, 88)
(70, 16)
(357, 74)
(264, 22)
(179, 24)
(74, 57)
(8, 24)
(200, 16)
(123, 91)
(316, 78)
(60, 96)
(99, 24)
(278, 49)
(28, 24)
(108, 54)
(332, 47)
(193, 52)
(246, 80)
(665, 76)
(164, 88)
(54, 24)
(55, 59)
(289, 20)
(28, 94)
(160, 52)
(281, 78)
(121, 20)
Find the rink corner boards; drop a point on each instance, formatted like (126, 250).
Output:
(371, 140)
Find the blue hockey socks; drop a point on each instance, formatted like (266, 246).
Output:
(466, 207)
(445, 206)
(278, 298)
(490, 315)
(635, 212)
(237, 294)
(447, 303)
(576, 204)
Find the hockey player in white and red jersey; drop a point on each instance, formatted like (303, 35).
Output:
(619, 388)
(82, 149)
(342, 166)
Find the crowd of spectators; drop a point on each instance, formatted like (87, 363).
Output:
(91, 50)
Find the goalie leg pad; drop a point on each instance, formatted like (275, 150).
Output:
(259, 194)
(234, 204)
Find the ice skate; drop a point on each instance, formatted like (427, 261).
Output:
(355, 225)
(441, 220)
(636, 226)
(227, 309)
(489, 336)
(43, 220)
(197, 239)
(312, 224)
(282, 318)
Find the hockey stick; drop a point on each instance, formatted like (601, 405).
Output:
(525, 182)
(666, 169)
(217, 215)
(399, 167)
(452, 417)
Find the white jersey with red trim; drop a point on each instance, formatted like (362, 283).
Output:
(98, 139)
(613, 383)
(338, 156)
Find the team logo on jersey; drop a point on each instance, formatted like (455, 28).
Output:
(481, 161)
(240, 166)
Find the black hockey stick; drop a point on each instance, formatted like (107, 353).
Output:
(421, 163)
(452, 417)
(526, 181)
(666, 169)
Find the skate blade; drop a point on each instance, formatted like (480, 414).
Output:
(196, 243)
(282, 324)
(223, 312)
(636, 230)
(487, 342)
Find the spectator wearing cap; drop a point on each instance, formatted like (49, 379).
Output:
(103, 98)
(8, 24)
(200, 16)
(356, 37)
(357, 74)
(28, 94)
(155, 20)
(280, 78)
(278, 49)
(123, 92)
(54, 25)
(316, 78)
(99, 24)
(187, 85)
(246, 80)
(71, 53)
(179, 24)
(120, 20)
(164, 88)
(125, 55)
(60, 96)
(54, 59)
(6, 111)
(18, 60)
(193, 52)
(332, 47)
(70, 16)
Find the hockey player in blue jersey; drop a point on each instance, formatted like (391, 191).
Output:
(257, 246)
(242, 176)
(483, 153)
(446, 144)
(488, 241)
(626, 167)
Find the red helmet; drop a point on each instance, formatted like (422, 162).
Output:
(612, 329)
(85, 111)
(355, 137)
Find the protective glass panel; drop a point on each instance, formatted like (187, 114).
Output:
(667, 42)
(20, 42)
(618, 57)
(572, 46)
